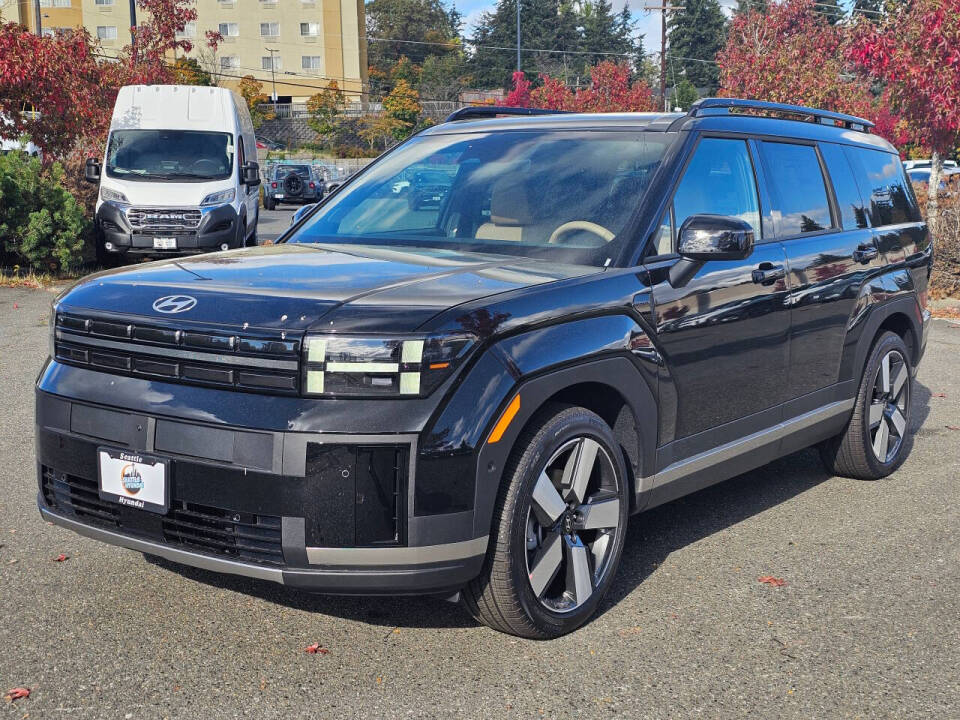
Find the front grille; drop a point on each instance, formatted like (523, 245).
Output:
(243, 536)
(263, 362)
(163, 218)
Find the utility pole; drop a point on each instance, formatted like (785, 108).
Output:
(273, 73)
(36, 17)
(664, 9)
(518, 34)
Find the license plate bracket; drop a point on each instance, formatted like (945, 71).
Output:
(133, 479)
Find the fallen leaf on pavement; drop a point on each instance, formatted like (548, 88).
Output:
(61, 557)
(16, 693)
(772, 581)
(316, 649)
(940, 395)
(952, 427)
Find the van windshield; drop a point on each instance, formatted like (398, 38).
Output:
(174, 155)
(560, 195)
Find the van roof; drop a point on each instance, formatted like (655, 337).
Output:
(174, 107)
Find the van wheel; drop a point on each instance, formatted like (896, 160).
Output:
(874, 443)
(269, 203)
(559, 525)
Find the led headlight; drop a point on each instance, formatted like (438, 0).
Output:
(337, 365)
(112, 196)
(219, 198)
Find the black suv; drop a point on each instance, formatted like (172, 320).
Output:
(603, 313)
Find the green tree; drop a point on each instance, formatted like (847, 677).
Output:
(251, 90)
(603, 32)
(696, 34)
(325, 109)
(415, 29)
(187, 71)
(686, 95)
(402, 109)
(41, 223)
(748, 5)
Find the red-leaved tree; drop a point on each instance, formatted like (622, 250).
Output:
(915, 51)
(610, 90)
(789, 53)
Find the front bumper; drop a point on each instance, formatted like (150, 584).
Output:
(217, 227)
(329, 512)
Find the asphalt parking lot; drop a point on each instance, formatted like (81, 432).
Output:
(867, 625)
(273, 222)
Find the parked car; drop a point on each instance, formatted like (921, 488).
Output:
(176, 178)
(605, 313)
(301, 211)
(949, 177)
(427, 189)
(264, 143)
(926, 164)
(292, 184)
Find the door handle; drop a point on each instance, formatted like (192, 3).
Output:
(865, 253)
(768, 273)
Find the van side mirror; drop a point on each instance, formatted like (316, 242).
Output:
(715, 237)
(91, 171)
(251, 174)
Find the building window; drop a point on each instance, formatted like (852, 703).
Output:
(107, 32)
(229, 29)
(309, 29)
(311, 62)
(270, 62)
(229, 62)
(189, 30)
(103, 2)
(55, 3)
(270, 29)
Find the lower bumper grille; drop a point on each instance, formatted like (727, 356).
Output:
(241, 536)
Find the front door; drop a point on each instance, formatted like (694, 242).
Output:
(724, 332)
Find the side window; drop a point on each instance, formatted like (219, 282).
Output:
(853, 211)
(800, 202)
(881, 174)
(241, 155)
(719, 180)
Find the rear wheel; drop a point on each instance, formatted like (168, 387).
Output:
(269, 203)
(874, 443)
(559, 526)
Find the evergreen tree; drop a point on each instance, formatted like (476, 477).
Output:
(696, 34)
(748, 5)
(415, 29)
(831, 10)
(872, 10)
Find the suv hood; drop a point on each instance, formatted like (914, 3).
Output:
(292, 286)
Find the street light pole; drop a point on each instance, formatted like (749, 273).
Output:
(133, 22)
(518, 35)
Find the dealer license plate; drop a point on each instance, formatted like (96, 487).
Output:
(160, 243)
(135, 480)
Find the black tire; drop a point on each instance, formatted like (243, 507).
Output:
(269, 203)
(502, 596)
(855, 453)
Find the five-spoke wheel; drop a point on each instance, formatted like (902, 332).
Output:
(888, 406)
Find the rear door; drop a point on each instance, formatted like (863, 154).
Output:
(724, 331)
(821, 219)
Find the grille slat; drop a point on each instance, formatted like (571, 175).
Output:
(164, 218)
(236, 361)
(254, 538)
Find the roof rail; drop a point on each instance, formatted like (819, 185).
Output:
(475, 112)
(722, 106)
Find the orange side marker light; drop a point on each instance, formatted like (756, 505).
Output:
(504, 422)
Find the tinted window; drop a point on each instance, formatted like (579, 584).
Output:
(719, 180)
(882, 178)
(853, 212)
(796, 183)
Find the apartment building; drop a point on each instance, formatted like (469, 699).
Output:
(294, 47)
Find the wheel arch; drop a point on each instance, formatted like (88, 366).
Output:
(901, 315)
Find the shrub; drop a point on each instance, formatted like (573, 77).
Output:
(945, 281)
(41, 223)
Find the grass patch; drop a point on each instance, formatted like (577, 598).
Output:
(15, 277)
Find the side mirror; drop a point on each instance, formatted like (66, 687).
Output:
(251, 174)
(715, 237)
(332, 186)
(91, 171)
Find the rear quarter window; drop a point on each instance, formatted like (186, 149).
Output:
(853, 211)
(882, 179)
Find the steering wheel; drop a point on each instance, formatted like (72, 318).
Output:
(206, 162)
(598, 230)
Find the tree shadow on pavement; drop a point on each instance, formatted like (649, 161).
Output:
(652, 537)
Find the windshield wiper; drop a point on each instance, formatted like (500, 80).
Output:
(189, 175)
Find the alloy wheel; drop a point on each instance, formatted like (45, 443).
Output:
(887, 417)
(572, 525)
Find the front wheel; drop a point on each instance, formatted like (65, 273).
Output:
(874, 443)
(559, 526)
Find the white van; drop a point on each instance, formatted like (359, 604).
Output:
(179, 174)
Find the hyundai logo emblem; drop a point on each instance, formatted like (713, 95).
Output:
(174, 303)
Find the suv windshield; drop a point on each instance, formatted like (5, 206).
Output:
(564, 195)
(179, 155)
